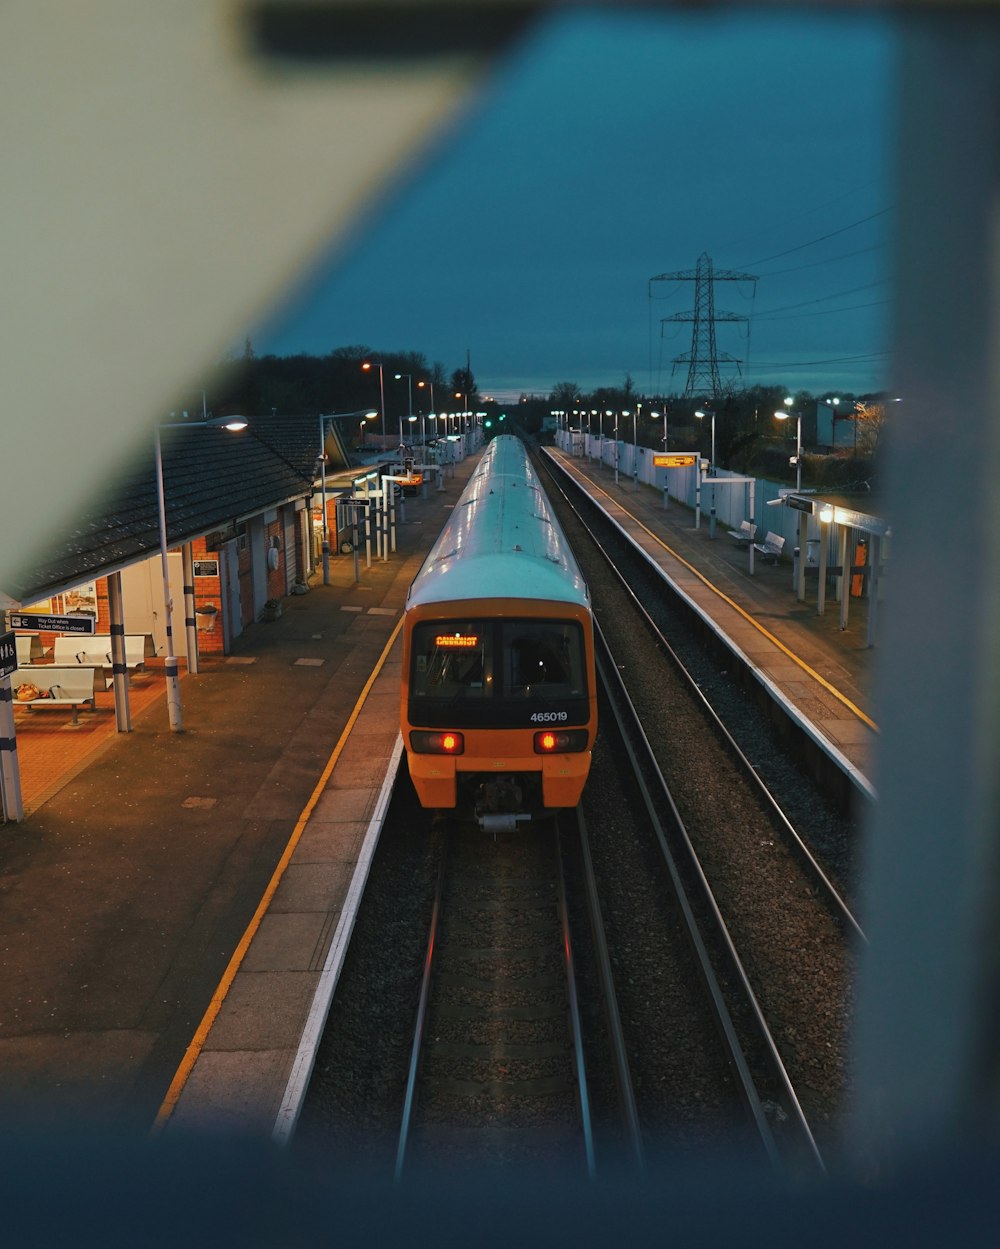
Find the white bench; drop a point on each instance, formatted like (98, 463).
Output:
(745, 533)
(29, 648)
(94, 650)
(771, 547)
(60, 687)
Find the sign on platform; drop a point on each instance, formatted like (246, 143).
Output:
(8, 654)
(52, 624)
(662, 460)
(799, 504)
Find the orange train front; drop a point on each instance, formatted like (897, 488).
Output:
(499, 702)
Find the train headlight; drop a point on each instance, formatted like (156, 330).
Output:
(446, 743)
(560, 741)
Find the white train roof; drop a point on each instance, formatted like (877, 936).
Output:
(502, 540)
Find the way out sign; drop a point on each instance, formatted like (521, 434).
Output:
(663, 460)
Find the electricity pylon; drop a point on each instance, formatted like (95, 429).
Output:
(704, 358)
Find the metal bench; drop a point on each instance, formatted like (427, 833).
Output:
(771, 547)
(745, 533)
(59, 687)
(94, 650)
(29, 648)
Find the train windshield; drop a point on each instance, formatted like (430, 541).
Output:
(539, 660)
(542, 660)
(453, 660)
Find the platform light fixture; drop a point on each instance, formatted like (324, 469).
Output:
(234, 424)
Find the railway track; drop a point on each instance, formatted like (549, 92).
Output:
(757, 1071)
(786, 913)
(497, 1073)
(488, 1080)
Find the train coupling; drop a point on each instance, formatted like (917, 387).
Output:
(500, 822)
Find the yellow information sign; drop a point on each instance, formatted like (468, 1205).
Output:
(674, 461)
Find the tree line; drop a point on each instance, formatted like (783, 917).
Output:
(310, 385)
(747, 437)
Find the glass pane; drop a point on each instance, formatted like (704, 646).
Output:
(543, 660)
(452, 660)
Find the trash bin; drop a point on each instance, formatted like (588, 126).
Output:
(205, 617)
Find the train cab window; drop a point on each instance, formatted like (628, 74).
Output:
(543, 659)
(452, 660)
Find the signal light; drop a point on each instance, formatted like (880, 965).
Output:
(560, 741)
(445, 743)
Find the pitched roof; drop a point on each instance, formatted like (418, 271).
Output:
(211, 478)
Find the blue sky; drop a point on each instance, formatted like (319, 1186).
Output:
(608, 149)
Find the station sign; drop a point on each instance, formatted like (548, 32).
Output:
(52, 624)
(662, 460)
(799, 504)
(8, 654)
(862, 521)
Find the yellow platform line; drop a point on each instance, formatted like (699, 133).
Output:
(801, 663)
(197, 1044)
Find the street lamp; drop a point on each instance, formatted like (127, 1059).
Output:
(331, 416)
(233, 424)
(783, 416)
(635, 447)
(800, 567)
(409, 410)
(832, 403)
(701, 414)
(377, 364)
(430, 386)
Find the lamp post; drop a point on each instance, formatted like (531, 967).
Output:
(617, 447)
(234, 424)
(409, 410)
(331, 416)
(701, 414)
(832, 403)
(800, 567)
(783, 416)
(377, 364)
(430, 385)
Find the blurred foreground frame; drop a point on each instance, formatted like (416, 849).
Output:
(128, 274)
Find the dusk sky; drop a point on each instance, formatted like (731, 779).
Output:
(609, 149)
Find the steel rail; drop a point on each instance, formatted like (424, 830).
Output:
(751, 1094)
(612, 1015)
(579, 1063)
(830, 892)
(418, 1033)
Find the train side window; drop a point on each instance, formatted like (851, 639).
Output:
(452, 660)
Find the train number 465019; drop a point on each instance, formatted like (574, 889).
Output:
(549, 717)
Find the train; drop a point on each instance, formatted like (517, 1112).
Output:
(499, 696)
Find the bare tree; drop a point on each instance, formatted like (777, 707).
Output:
(869, 421)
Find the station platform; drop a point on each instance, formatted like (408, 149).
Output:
(173, 901)
(821, 673)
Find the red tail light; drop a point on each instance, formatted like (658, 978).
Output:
(560, 741)
(446, 743)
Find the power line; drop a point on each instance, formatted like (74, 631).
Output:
(822, 299)
(821, 205)
(815, 264)
(827, 312)
(822, 239)
(808, 364)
